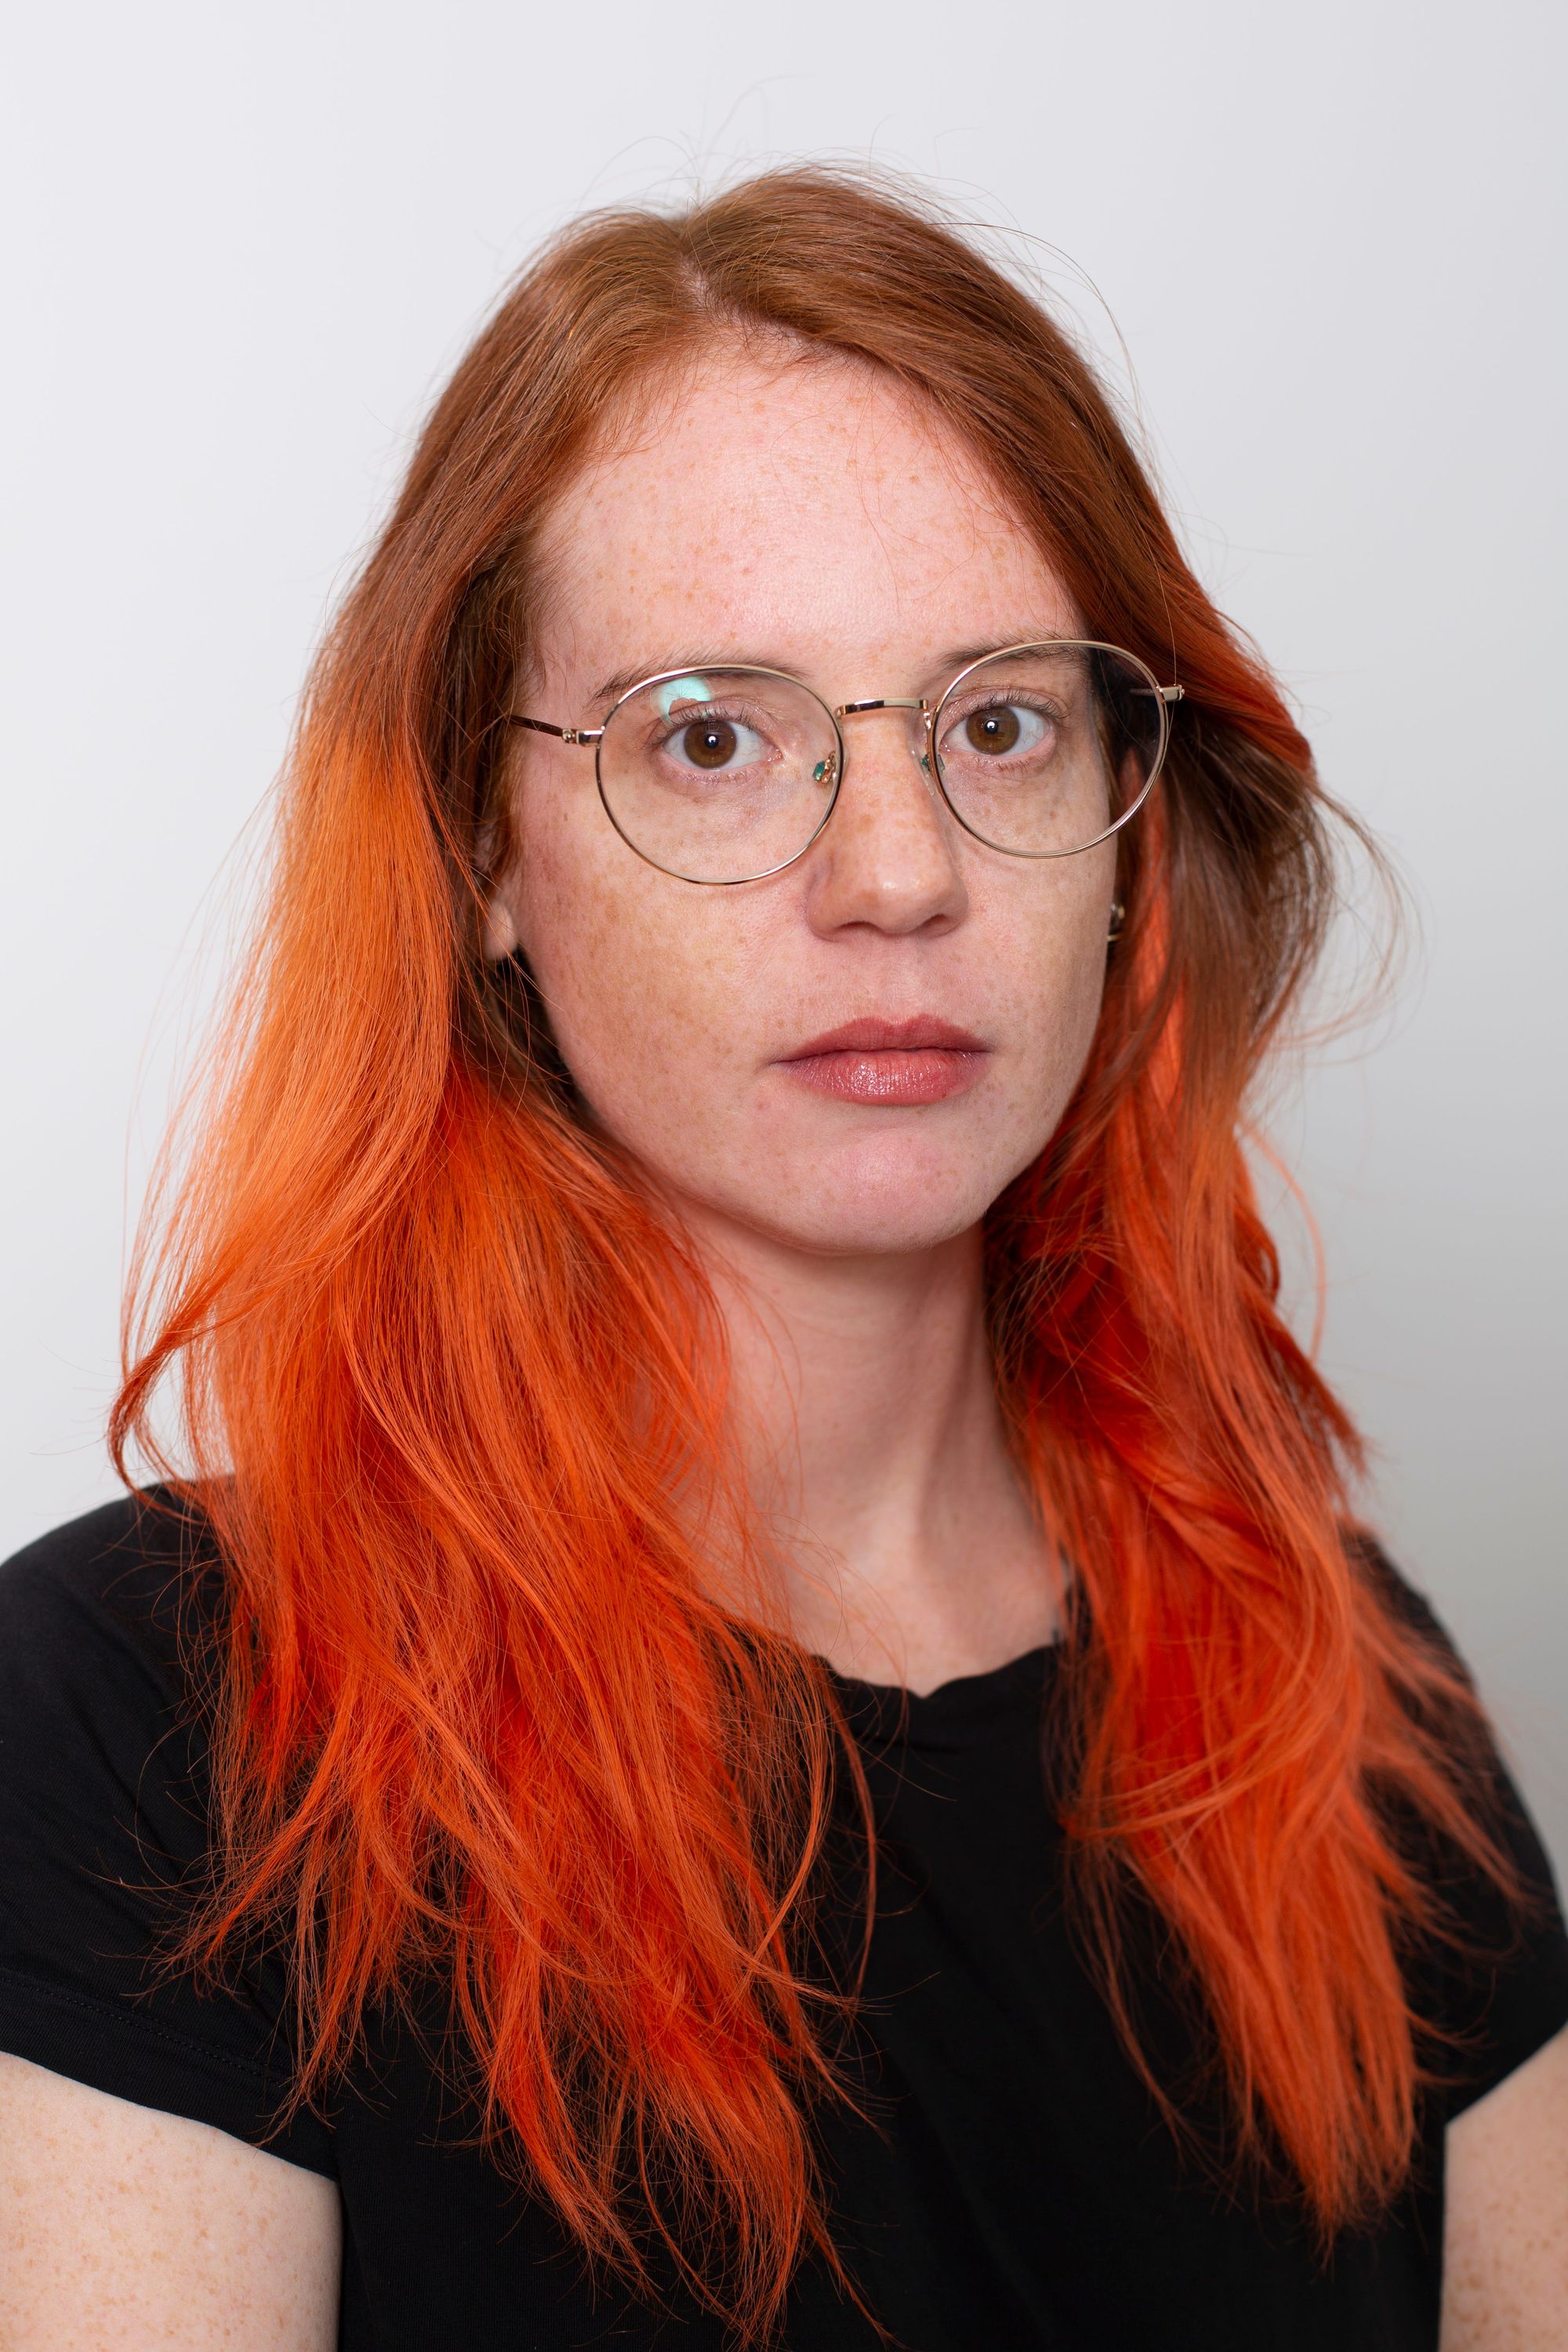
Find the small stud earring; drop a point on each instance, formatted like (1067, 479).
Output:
(1117, 920)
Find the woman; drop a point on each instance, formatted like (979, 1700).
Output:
(755, 1710)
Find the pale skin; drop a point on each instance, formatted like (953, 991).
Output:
(803, 518)
(806, 517)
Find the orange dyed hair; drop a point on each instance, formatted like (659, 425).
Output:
(442, 1367)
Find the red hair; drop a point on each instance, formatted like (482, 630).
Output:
(443, 1368)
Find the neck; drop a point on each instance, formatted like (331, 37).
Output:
(875, 1455)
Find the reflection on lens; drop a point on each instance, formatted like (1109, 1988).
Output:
(672, 690)
(1043, 750)
(722, 776)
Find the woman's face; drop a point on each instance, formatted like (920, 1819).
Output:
(808, 517)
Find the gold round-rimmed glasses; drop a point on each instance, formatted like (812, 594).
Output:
(727, 772)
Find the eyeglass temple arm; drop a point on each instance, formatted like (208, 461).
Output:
(564, 734)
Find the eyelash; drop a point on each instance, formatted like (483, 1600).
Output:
(694, 714)
(1051, 713)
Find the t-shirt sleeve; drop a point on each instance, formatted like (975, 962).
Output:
(1506, 1997)
(1495, 1987)
(103, 1838)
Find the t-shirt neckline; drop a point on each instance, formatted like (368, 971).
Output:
(966, 1711)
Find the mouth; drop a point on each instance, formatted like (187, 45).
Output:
(896, 1063)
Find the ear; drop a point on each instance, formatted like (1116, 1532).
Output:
(500, 936)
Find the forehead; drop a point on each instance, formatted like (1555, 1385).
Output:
(792, 512)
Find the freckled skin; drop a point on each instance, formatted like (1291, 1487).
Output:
(811, 518)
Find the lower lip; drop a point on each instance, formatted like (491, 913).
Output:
(921, 1074)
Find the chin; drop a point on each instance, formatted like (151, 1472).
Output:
(890, 1204)
(911, 1235)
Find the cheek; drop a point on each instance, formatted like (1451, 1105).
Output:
(638, 978)
(1050, 966)
(668, 1001)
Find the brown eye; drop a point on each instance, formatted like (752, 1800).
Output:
(995, 730)
(709, 742)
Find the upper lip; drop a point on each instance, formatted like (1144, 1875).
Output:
(872, 1035)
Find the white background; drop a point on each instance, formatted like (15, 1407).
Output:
(247, 240)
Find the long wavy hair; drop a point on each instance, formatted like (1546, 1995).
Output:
(447, 1380)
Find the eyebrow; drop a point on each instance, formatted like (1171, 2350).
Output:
(943, 668)
(959, 657)
(621, 681)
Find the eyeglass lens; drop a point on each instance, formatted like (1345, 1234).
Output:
(721, 775)
(729, 774)
(1043, 751)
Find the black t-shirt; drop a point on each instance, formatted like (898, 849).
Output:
(1017, 2188)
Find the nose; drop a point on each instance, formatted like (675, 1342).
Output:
(887, 859)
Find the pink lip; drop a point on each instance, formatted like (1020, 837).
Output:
(894, 1062)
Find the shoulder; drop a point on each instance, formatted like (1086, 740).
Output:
(1489, 1979)
(106, 1830)
(117, 1591)
(1408, 1606)
(102, 1739)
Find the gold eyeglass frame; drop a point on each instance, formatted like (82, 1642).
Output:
(1166, 697)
